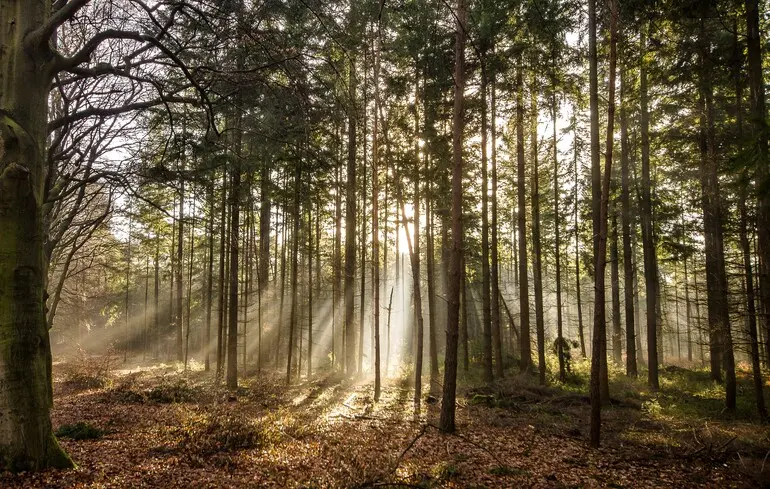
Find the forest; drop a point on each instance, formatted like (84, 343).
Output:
(384, 243)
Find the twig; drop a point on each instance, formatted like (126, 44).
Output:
(471, 442)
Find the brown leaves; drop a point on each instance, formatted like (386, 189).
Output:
(327, 433)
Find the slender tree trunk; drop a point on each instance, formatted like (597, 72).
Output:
(232, 327)
(716, 277)
(494, 272)
(310, 289)
(294, 267)
(598, 393)
(455, 254)
(376, 217)
(625, 202)
(178, 309)
(560, 341)
(578, 298)
(751, 320)
(537, 253)
(617, 332)
(414, 258)
(761, 133)
(525, 361)
(485, 297)
(350, 230)
(648, 245)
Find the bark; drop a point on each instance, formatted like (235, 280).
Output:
(209, 293)
(537, 252)
(455, 253)
(716, 277)
(178, 308)
(350, 231)
(295, 262)
(376, 220)
(310, 289)
(578, 298)
(617, 332)
(625, 203)
(525, 360)
(648, 245)
(494, 272)
(26, 437)
(599, 394)
(414, 259)
(232, 308)
(761, 133)
(743, 230)
(557, 236)
(485, 297)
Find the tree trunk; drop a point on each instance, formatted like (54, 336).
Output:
(494, 272)
(617, 332)
(599, 394)
(537, 253)
(178, 308)
(560, 342)
(376, 218)
(232, 326)
(455, 254)
(578, 298)
(26, 437)
(625, 203)
(648, 245)
(294, 267)
(350, 230)
(716, 277)
(761, 135)
(485, 297)
(525, 361)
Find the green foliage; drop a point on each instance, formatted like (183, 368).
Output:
(80, 431)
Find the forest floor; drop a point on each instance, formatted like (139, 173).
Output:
(159, 427)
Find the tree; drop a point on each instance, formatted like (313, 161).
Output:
(447, 420)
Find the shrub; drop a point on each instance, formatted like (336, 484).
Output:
(166, 393)
(87, 371)
(80, 431)
(203, 433)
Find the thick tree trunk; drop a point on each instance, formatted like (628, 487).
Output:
(455, 254)
(26, 437)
